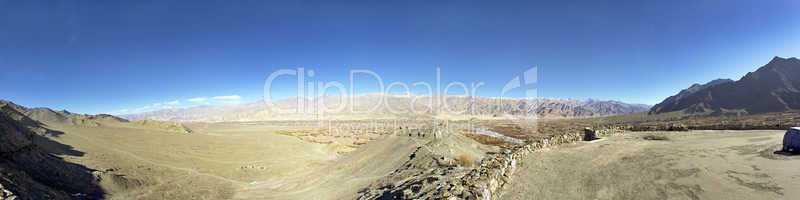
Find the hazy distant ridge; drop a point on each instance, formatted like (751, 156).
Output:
(457, 106)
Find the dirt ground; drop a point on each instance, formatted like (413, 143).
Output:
(684, 165)
(227, 161)
(262, 161)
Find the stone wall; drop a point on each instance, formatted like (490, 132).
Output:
(424, 176)
(486, 181)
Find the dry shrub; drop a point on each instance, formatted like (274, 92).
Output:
(465, 160)
(511, 130)
(489, 140)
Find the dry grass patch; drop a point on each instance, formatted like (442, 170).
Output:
(293, 133)
(465, 160)
(489, 140)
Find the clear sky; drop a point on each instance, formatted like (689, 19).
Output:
(104, 56)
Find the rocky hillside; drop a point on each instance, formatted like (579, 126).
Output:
(29, 171)
(49, 116)
(771, 88)
(395, 107)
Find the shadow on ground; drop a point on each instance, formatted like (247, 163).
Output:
(30, 164)
(787, 153)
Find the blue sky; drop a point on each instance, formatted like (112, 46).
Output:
(102, 56)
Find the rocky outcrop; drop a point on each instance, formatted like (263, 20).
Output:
(774, 87)
(441, 179)
(496, 171)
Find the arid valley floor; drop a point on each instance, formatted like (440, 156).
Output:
(265, 161)
(222, 161)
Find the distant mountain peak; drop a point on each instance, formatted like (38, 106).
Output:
(697, 87)
(771, 88)
(718, 81)
(780, 61)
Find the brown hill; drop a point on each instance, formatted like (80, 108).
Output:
(771, 88)
(46, 116)
(162, 125)
(49, 116)
(29, 171)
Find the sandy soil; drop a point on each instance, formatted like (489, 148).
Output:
(689, 165)
(342, 178)
(227, 161)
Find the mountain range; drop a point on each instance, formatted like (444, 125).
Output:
(774, 87)
(396, 106)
